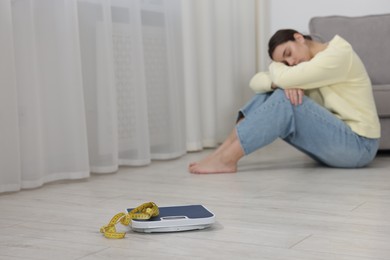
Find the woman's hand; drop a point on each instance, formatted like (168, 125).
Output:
(295, 95)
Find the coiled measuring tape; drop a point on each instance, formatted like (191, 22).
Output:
(144, 211)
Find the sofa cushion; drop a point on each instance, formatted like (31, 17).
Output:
(382, 99)
(369, 36)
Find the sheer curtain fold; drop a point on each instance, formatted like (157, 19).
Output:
(51, 132)
(219, 46)
(90, 85)
(9, 132)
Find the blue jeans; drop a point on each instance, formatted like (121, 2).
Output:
(309, 127)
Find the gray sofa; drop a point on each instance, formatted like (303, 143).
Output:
(370, 38)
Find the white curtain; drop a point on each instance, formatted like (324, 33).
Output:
(90, 85)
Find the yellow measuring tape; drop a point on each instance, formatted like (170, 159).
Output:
(144, 211)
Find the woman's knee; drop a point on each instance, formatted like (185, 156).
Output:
(279, 93)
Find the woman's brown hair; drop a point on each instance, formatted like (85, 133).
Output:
(281, 37)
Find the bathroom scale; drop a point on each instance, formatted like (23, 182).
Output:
(175, 218)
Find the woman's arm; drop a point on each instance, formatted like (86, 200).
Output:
(325, 68)
(261, 83)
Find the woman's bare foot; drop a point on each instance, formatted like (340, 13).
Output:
(229, 140)
(222, 161)
(213, 164)
(208, 157)
(192, 164)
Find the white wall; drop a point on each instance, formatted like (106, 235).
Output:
(296, 14)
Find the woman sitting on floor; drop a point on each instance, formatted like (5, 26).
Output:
(316, 97)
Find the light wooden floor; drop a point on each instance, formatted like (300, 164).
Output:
(280, 205)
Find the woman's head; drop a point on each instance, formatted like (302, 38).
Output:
(290, 47)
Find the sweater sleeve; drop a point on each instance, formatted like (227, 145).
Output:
(261, 82)
(327, 67)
